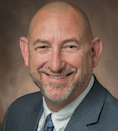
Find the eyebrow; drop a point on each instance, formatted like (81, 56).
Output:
(63, 42)
(40, 41)
(70, 40)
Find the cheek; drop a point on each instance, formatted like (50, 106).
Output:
(36, 61)
(81, 61)
(75, 60)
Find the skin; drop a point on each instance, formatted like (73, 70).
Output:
(60, 53)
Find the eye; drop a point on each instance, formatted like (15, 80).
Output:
(42, 47)
(71, 46)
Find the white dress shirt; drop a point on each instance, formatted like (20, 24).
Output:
(61, 118)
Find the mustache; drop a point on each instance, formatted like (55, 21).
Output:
(49, 70)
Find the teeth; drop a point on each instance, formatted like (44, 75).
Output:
(58, 77)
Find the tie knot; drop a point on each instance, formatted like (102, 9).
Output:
(48, 124)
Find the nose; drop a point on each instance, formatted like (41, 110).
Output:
(56, 62)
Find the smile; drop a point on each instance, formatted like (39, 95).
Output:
(57, 77)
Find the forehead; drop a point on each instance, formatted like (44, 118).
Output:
(56, 25)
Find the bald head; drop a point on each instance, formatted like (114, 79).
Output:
(57, 7)
(60, 52)
(61, 7)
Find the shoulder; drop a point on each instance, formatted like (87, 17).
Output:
(109, 98)
(20, 108)
(24, 105)
(103, 97)
(106, 106)
(32, 97)
(109, 112)
(102, 90)
(111, 101)
(26, 102)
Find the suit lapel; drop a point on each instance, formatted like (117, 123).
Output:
(32, 119)
(76, 124)
(88, 112)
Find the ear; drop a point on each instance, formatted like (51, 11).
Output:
(97, 50)
(24, 49)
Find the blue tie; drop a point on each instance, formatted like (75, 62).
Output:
(48, 124)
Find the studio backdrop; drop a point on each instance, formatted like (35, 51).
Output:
(15, 16)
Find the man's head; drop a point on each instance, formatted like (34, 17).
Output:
(60, 51)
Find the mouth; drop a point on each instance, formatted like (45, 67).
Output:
(58, 77)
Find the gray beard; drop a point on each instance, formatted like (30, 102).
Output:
(74, 85)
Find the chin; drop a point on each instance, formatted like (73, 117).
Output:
(57, 94)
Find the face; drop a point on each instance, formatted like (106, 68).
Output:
(60, 56)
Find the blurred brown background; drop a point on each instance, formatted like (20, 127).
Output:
(15, 16)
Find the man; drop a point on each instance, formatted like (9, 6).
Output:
(60, 52)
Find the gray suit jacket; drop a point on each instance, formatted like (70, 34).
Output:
(97, 112)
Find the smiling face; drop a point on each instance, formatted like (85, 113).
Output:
(59, 54)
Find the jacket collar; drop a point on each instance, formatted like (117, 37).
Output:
(32, 119)
(88, 112)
